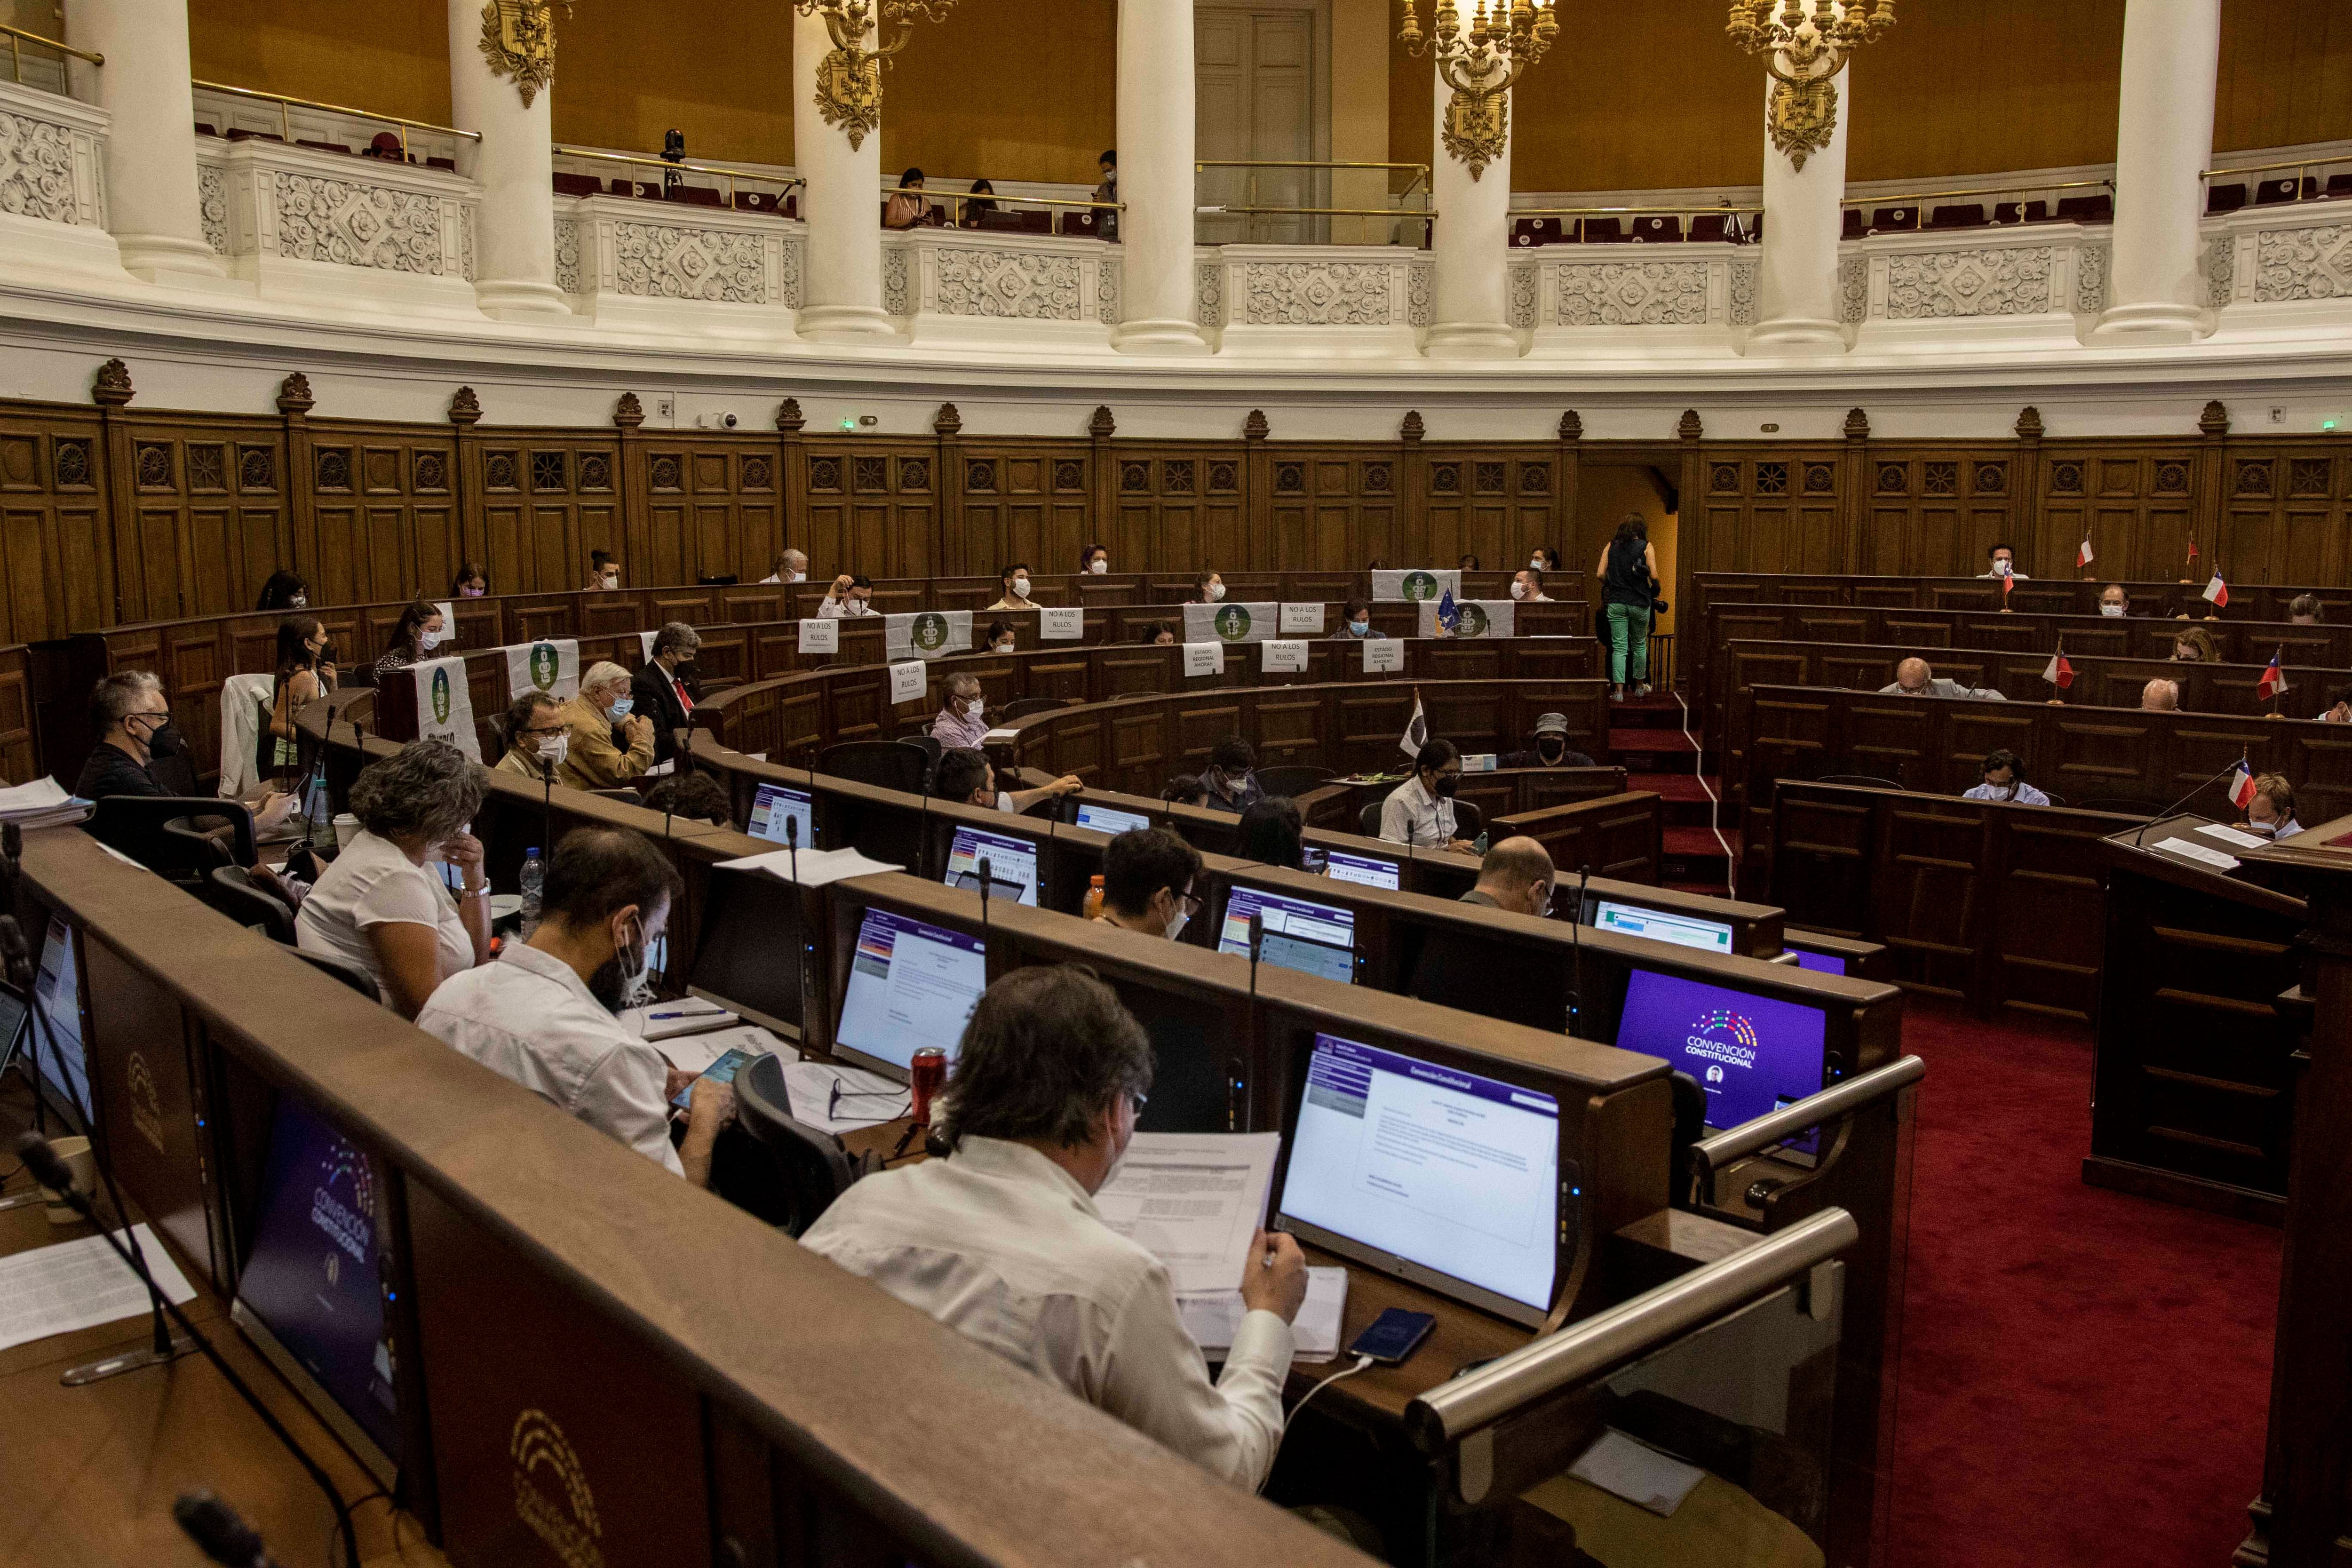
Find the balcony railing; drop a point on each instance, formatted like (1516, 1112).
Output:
(18, 37)
(1254, 206)
(287, 105)
(784, 184)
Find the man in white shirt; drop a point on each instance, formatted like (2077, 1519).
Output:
(543, 1015)
(964, 773)
(792, 566)
(958, 722)
(1526, 586)
(2003, 562)
(849, 598)
(2004, 779)
(1421, 810)
(1001, 1240)
(2271, 811)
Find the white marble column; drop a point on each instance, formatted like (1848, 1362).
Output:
(152, 204)
(1797, 290)
(1156, 148)
(514, 162)
(2172, 50)
(1469, 306)
(841, 285)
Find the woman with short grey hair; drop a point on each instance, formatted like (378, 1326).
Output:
(384, 905)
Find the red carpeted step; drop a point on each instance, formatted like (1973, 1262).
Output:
(1672, 787)
(1698, 844)
(1654, 743)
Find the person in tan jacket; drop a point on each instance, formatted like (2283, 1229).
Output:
(592, 761)
(537, 736)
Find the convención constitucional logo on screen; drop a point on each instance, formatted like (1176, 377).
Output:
(1722, 1038)
(348, 1223)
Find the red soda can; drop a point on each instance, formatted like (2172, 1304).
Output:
(927, 1074)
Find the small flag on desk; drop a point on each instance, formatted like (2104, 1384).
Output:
(2058, 672)
(2242, 785)
(2083, 557)
(2217, 592)
(1449, 613)
(2274, 680)
(2192, 550)
(2008, 581)
(1416, 734)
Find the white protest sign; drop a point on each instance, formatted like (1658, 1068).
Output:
(1230, 623)
(908, 681)
(551, 665)
(444, 707)
(927, 633)
(1284, 655)
(1384, 654)
(646, 645)
(1061, 626)
(449, 608)
(1307, 618)
(1389, 587)
(1204, 659)
(819, 637)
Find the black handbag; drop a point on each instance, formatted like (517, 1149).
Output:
(1659, 606)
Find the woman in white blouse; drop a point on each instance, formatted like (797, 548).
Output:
(383, 904)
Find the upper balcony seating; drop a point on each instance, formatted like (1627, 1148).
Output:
(1894, 220)
(1962, 215)
(2086, 209)
(1086, 224)
(1602, 231)
(1651, 228)
(694, 195)
(2225, 198)
(577, 184)
(1530, 231)
(2285, 190)
(2020, 212)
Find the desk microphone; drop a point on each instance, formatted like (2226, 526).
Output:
(792, 846)
(2184, 800)
(1257, 936)
(1576, 952)
(985, 869)
(221, 1531)
(55, 1174)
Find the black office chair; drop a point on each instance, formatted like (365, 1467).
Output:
(1292, 778)
(1028, 705)
(931, 748)
(195, 848)
(233, 892)
(344, 970)
(808, 1169)
(1368, 820)
(886, 764)
(139, 826)
(1468, 820)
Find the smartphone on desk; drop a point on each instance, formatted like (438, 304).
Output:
(723, 1070)
(1393, 1336)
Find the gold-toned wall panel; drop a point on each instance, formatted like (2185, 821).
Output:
(393, 58)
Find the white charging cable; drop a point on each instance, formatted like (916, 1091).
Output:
(1361, 1362)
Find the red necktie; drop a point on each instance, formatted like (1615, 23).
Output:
(684, 702)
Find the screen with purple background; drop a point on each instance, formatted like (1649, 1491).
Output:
(1747, 1052)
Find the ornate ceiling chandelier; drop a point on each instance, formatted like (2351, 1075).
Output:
(1804, 52)
(1480, 62)
(849, 78)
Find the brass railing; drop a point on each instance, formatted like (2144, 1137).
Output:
(957, 198)
(1916, 201)
(1582, 214)
(2302, 167)
(18, 37)
(639, 160)
(1251, 207)
(287, 105)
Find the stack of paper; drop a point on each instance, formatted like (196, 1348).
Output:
(1212, 1321)
(1195, 1200)
(667, 1020)
(1637, 1472)
(77, 1284)
(41, 804)
(817, 866)
(866, 1099)
(697, 1052)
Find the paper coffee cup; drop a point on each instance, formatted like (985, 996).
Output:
(75, 1152)
(346, 827)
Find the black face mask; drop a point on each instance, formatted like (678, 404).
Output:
(1447, 786)
(689, 671)
(607, 984)
(1551, 748)
(166, 742)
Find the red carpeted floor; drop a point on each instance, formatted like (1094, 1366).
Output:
(2086, 1375)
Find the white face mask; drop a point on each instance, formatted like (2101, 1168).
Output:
(857, 607)
(611, 579)
(1021, 588)
(795, 576)
(970, 707)
(430, 640)
(2108, 609)
(1005, 647)
(2000, 791)
(1098, 567)
(1536, 564)
(1177, 921)
(1518, 590)
(635, 959)
(552, 750)
(1216, 592)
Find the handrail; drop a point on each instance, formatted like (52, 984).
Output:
(1251, 208)
(1444, 1414)
(2275, 168)
(1713, 1155)
(18, 37)
(1694, 210)
(1424, 212)
(962, 197)
(564, 150)
(286, 120)
(1912, 198)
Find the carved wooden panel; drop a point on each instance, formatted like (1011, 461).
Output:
(1497, 504)
(377, 529)
(1763, 515)
(548, 499)
(1015, 510)
(714, 507)
(873, 507)
(1936, 510)
(2136, 502)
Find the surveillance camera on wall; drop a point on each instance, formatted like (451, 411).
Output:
(727, 421)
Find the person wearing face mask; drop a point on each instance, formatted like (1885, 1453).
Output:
(306, 668)
(1148, 876)
(471, 581)
(1516, 876)
(604, 572)
(958, 722)
(849, 598)
(1159, 633)
(537, 737)
(383, 904)
(1208, 588)
(2003, 562)
(1001, 1240)
(792, 566)
(1014, 580)
(134, 726)
(1916, 678)
(1421, 810)
(415, 636)
(1526, 586)
(543, 1015)
(1355, 623)
(1231, 782)
(964, 774)
(2114, 601)
(2271, 811)
(1094, 559)
(1551, 748)
(666, 689)
(999, 640)
(591, 760)
(284, 590)
(2004, 779)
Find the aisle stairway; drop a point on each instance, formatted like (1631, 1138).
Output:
(1646, 738)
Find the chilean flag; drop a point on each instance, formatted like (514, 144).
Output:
(2242, 785)
(2008, 581)
(2083, 557)
(2274, 680)
(2058, 672)
(2217, 592)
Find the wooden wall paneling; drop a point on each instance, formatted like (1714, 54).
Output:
(1414, 547)
(637, 550)
(2280, 515)
(948, 476)
(2026, 528)
(1855, 487)
(55, 533)
(1155, 523)
(669, 532)
(1102, 486)
(1568, 462)
(1262, 552)
(112, 393)
(791, 524)
(1694, 548)
(2204, 525)
(2048, 889)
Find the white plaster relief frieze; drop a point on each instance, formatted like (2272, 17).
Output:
(212, 206)
(2303, 264)
(353, 224)
(567, 256)
(37, 170)
(1634, 293)
(1316, 294)
(2006, 281)
(1008, 284)
(667, 262)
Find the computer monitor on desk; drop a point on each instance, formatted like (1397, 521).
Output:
(906, 982)
(754, 950)
(1292, 933)
(1011, 864)
(773, 805)
(1110, 819)
(1679, 927)
(1751, 1053)
(1446, 1173)
(1364, 871)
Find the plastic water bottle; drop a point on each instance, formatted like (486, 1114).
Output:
(1094, 903)
(534, 878)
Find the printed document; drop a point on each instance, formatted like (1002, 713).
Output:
(1194, 1200)
(78, 1284)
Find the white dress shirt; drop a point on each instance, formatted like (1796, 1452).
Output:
(531, 1018)
(1414, 815)
(953, 727)
(1005, 1247)
(2020, 793)
(2286, 830)
(373, 883)
(843, 610)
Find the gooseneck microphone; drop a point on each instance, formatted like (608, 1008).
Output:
(2184, 800)
(792, 846)
(985, 869)
(221, 1531)
(1576, 952)
(1258, 938)
(55, 1174)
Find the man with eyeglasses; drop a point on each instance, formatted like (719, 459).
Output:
(1148, 876)
(1001, 1240)
(537, 737)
